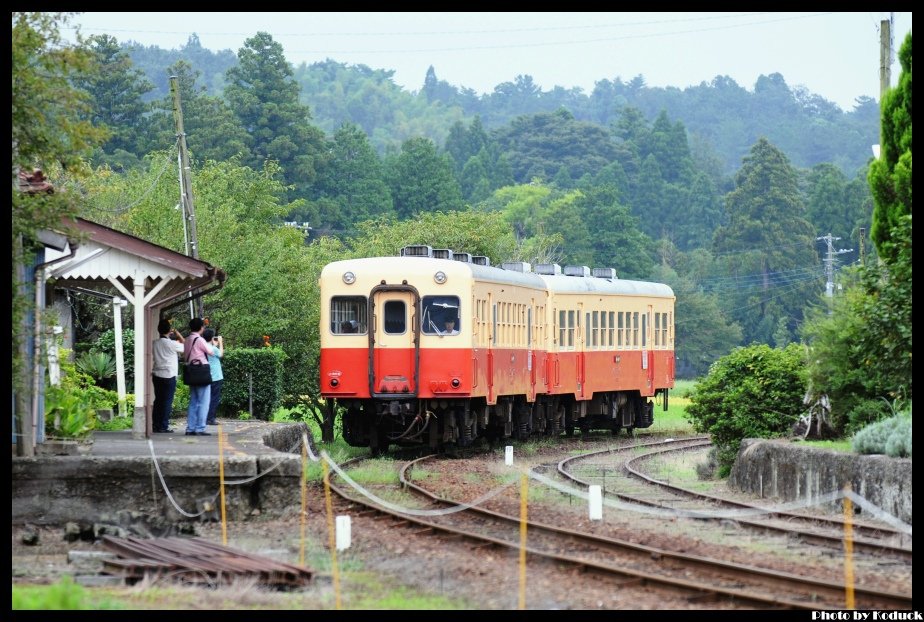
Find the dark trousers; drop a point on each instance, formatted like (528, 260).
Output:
(164, 390)
(216, 397)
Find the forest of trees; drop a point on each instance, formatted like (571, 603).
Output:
(718, 191)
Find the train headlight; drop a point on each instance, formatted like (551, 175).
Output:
(349, 278)
(439, 277)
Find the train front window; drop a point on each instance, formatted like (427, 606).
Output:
(395, 317)
(441, 315)
(348, 315)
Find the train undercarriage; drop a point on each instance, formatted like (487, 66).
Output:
(442, 423)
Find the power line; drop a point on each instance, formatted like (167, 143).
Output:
(469, 48)
(425, 33)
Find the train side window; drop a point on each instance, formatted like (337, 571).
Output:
(644, 330)
(395, 317)
(441, 315)
(621, 329)
(561, 329)
(595, 334)
(635, 329)
(611, 328)
(657, 329)
(348, 315)
(570, 329)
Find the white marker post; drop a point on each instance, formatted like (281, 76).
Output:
(596, 502)
(343, 532)
(508, 455)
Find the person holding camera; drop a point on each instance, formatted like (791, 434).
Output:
(197, 350)
(163, 374)
(218, 350)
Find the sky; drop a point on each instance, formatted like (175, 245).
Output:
(835, 55)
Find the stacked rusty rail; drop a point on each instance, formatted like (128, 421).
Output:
(197, 561)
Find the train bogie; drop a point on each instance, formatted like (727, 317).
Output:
(424, 350)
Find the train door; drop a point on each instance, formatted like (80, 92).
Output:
(530, 363)
(492, 343)
(647, 354)
(581, 345)
(395, 358)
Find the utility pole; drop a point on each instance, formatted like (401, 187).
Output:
(186, 195)
(885, 56)
(829, 263)
(862, 245)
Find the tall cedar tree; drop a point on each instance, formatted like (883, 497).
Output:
(116, 91)
(890, 175)
(768, 246)
(264, 96)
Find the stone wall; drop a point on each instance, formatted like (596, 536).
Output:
(791, 471)
(57, 489)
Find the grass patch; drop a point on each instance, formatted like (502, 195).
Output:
(63, 595)
(115, 424)
(370, 592)
(682, 388)
(378, 471)
(679, 470)
(842, 445)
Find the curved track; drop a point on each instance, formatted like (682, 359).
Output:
(870, 539)
(697, 578)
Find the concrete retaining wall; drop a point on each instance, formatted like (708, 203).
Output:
(57, 489)
(790, 471)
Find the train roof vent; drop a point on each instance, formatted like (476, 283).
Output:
(417, 250)
(516, 266)
(605, 273)
(577, 271)
(481, 260)
(442, 253)
(548, 268)
(460, 256)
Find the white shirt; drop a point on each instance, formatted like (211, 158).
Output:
(166, 361)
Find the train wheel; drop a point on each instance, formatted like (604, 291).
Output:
(615, 430)
(629, 430)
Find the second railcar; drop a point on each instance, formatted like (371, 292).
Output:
(423, 349)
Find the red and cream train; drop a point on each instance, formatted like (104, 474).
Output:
(435, 347)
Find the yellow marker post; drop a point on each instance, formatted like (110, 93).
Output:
(848, 547)
(221, 485)
(330, 529)
(301, 553)
(524, 492)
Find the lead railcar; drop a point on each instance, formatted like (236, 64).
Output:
(435, 347)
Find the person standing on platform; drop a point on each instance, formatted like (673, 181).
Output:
(218, 346)
(166, 349)
(197, 349)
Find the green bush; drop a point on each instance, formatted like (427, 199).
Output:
(98, 365)
(262, 366)
(181, 398)
(67, 414)
(106, 343)
(865, 412)
(891, 437)
(75, 401)
(753, 392)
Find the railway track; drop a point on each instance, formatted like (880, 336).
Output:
(698, 579)
(875, 540)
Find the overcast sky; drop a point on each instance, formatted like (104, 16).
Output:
(835, 55)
